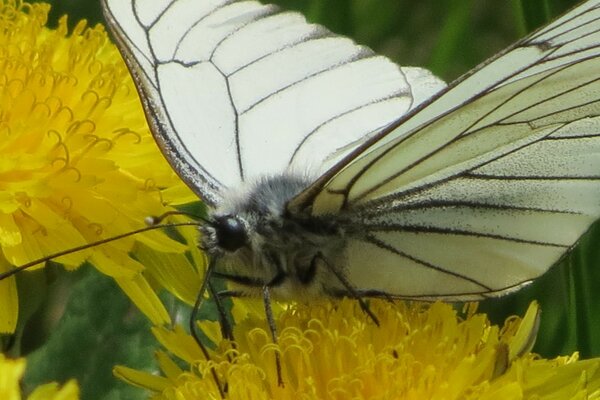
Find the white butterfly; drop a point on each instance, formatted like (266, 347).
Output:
(330, 170)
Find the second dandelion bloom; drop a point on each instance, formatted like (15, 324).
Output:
(331, 350)
(78, 163)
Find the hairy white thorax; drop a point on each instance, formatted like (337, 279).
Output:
(258, 243)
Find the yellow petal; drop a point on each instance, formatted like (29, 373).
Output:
(11, 372)
(141, 379)
(52, 391)
(144, 297)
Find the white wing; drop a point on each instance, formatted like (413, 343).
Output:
(236, 90)
(486, 186)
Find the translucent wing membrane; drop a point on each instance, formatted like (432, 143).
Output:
(472, 192)
(237, 90)
(486, 186)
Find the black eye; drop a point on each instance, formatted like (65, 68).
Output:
(231, 234)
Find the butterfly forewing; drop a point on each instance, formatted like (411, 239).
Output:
(488, 185)
(239, 90)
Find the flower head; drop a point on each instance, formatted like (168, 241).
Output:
(77, 161)
(331, 350)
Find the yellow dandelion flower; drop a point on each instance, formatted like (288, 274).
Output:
(11, 372)
(77, 161)
(332, 351)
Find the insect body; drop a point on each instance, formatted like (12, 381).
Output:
(259, 244)
(330, 170)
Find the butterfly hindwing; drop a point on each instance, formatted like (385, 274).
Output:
(486, 186)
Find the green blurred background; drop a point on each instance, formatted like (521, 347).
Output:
(99, 328)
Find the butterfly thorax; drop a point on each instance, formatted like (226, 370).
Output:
(256, 242)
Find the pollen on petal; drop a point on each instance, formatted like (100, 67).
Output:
(332, 350)
(78, 163)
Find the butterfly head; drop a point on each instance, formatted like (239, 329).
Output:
(230, 232)
(258, 242)
(253, 216)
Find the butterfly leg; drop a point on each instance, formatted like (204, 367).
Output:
(227, 329)
(192, 324)
(350, 290)
(273, 328)
(270, 320)
(224, 323)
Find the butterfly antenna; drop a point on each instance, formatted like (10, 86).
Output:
(155, 220)
(33, 263)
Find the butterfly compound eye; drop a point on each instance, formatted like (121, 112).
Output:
(231, 233)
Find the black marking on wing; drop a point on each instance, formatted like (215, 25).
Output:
(385, 246)
(546, 42)
(342, 114)
(484, 294)
(305, 199)
(475, 175)
(460, 136)
(470, 173)
(241, 21)
(316, 35)
(366, 212)
(573, 137)
(156, 118)
(395, 227)
(267, 11)
(308, 77)
(378, 203)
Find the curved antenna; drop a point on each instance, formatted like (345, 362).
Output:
(33, 263)
(154, 223)
(157, 219)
